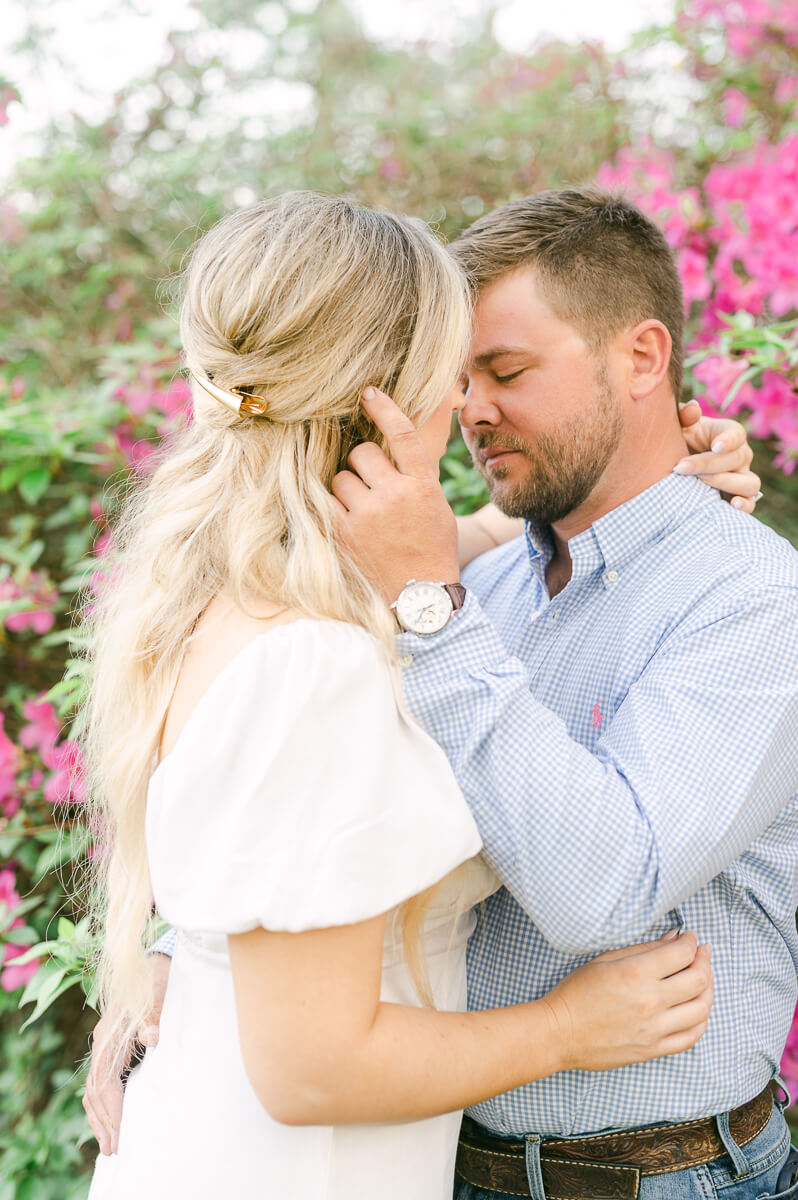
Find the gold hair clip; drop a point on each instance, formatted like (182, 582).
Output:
(241, 403)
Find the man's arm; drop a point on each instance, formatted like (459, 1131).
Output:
(699, 759)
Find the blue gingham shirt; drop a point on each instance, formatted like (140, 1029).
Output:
(630, 752)
(629, 749)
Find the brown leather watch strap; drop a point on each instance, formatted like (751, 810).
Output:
(457, 593)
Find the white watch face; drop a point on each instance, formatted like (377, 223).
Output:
(424, 608)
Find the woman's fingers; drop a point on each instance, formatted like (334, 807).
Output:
(738, 458)
(660, 960)
(741, 483)
(98, 1127)
(407, 449)
(348, 489)
(743, 504)
(677, 1043)
(719, 434)
(692, 982)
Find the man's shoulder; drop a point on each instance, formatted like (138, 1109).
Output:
(739, 549)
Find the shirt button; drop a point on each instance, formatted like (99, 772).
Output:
(405, 660)
(612, 577)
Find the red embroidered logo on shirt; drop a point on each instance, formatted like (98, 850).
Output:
(597, 717)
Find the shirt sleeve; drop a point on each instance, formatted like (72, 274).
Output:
(299, 795)
(165, 943)
(700, 757)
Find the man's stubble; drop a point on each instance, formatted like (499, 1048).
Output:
(564, 466)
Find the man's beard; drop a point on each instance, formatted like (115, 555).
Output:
(565, 465)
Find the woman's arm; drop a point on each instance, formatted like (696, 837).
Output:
(321, 1048)
(482, 530)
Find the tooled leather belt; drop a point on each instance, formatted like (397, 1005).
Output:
(606, 1166)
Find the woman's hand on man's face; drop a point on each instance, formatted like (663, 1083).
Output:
(720, 455)
(395, 519)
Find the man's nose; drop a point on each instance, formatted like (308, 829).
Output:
(478, 409)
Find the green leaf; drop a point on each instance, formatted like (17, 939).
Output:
(738, 383)
(37, 951)
(66, 928)
(34, 484)
(11, 474)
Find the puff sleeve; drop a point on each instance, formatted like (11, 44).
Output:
(298, 795)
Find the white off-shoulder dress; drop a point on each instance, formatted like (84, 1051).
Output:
(298, 796)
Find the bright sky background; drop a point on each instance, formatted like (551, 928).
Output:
(105, 49)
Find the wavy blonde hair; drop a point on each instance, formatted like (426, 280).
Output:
(303, 300)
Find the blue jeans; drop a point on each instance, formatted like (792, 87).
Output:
(747, 1173)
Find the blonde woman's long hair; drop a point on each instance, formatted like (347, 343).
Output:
(303, 300)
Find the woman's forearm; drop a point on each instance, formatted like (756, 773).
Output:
(415, 1063)
(482, 531)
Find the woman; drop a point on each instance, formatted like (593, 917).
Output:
(255, 771)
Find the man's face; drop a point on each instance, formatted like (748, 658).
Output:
(541, 418)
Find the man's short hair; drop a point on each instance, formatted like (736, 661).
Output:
(600, 263)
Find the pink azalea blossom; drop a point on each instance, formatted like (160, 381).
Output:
(12, 978)
(736, 245)
(41, 732)
(67, 785)
(40, 595)
(719, 374)
(9, 766)
(735, 107)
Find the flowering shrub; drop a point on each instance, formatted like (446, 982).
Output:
(736, 241)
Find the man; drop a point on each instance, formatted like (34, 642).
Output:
(618, 695)
(604, 694)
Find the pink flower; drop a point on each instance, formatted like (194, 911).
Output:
(735, 107)
(391, 169)
(719, 374)
(41, 732)
(67, 785)
(9, 766)
(40, 596)
(12, 978)
(18, 976)
(695, 275)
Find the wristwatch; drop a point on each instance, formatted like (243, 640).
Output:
(424, 608)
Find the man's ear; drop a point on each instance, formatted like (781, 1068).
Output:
(649, 347)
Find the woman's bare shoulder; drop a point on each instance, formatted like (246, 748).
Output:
(223, 630)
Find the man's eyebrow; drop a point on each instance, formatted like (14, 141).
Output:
(484, 360)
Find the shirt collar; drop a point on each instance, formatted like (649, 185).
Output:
(615, 538)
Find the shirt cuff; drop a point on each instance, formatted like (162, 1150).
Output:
(468, 629)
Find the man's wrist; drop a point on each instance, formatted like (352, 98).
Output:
(425, 606)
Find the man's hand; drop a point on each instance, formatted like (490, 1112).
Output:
(396, 519)
(104, 1093)
(720, 456)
